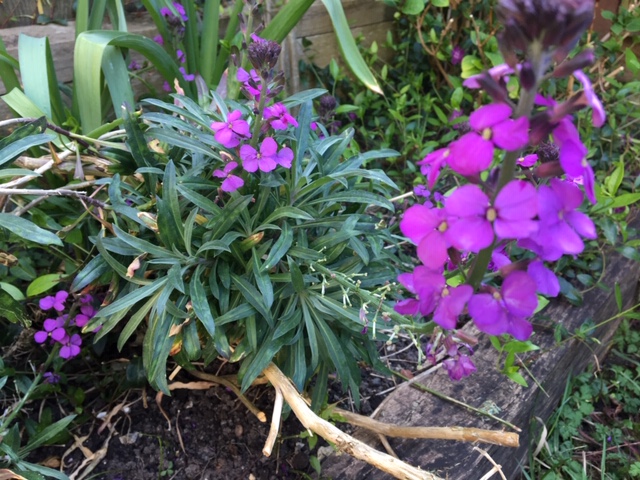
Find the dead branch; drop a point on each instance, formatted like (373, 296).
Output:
(345, 443)
(461, 434)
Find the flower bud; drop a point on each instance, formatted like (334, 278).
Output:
(581, 60)
(263, 55)
(554, 24)
(527, 76)
(551, 169)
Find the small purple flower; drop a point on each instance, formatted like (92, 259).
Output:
(133, 66)
(189, 77)
(50, 377)
(166, 87)
(159, 40)
(166, 12)
(230, 132)
(279, 117)
(528, 160)
(506, 311)
(434, 296)
(497, 73)
(473, 152)
(251, 83)
(421, 191)
(561, 224)
(264, 160)
(231, 183)
(598, 115)
(56, 302)
(87, 312)
(457, 54)
(71, 347)
(573, 155)
(431, 164)
(459, 367)
(53, 328)
(546, 281)
(182, 57)
(284, 157)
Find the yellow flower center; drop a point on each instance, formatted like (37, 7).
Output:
(446, 153)
(486, 134)
(443, 227)
(445, 292)
(497, 296)
(491, 214)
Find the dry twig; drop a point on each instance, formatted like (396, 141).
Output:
(331, 433)
(461, 434)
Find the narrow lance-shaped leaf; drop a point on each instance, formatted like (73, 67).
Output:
(348, 45)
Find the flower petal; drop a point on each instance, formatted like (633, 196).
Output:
(488, 314)
(489, 115)
(418, 221)
(470, 154)
(519, 294)
(511, 135)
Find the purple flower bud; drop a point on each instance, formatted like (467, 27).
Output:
(50, 377)
(556, 25)
(263, 55)
(584, 59)
(457, 54)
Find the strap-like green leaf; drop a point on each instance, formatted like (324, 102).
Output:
(28, 230)
(348, 45)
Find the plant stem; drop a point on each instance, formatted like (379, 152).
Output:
(507, 173)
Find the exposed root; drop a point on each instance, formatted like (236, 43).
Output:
(461, 434)
(260, 415)
(275, 424)
(331, 433)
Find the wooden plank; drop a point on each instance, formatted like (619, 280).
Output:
(520, 406)
(24, 12)
(359, 13)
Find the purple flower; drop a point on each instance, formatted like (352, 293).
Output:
(230, 132)
(546, 281)
(561, 225)
(231, 183)
(505, 311)
(166, 87)
(497, 73)
(459, 367)
(53, 328)
(87, 313)
(134, 66)
(431, 164)
(56, 302)
(598, 116)
(50, 377)
(499, 259)
(279, 117)
(473, 219)
(251, 83)
(189, 77)
(429, 229)
(182, 57)
(159, 40)
(284, 157)
(434, 296)
(457, 54)
(166, 12)
(528, 160)
(573, 155)
(421, 191)
(264, 160)
(493, 126)
(71, 346)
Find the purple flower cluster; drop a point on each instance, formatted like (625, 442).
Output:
(263, 153)
(61, 329)
(513, 202)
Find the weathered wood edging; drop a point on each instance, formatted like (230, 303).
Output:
(518, 405)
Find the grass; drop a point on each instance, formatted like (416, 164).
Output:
(595, 431)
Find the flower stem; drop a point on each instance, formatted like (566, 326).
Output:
(507, 173)
(258, 118)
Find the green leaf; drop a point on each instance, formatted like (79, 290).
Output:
(286, 19)
(348, 46)
(209, 40)
(28, 230)
(355, 196)
(46, 434)
(253, 296)
(232, 210)
(10, 152)
(12, 310)
(135, 320)
(613, 181)
(200, 304)
(130, 299)
(619, 297)
(39, 76)
(633, 64)
(92, 271)
(280, 248)
(412, 7)
(287, 212)
(8, 67)
(12, 290)
(43, 284)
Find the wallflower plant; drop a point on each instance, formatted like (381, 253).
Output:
(503, 203)
(245, 234)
